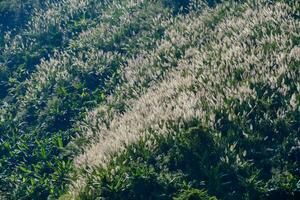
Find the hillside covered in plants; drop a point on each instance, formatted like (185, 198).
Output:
(150, 99)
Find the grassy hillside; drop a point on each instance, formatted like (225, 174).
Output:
(151, 99)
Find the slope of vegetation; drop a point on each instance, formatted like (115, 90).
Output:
(39, 114)
(150, 99)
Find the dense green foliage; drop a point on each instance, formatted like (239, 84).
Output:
(15, 13)
(232, 166)
(71, 70)
(250, 152)
(34, 131)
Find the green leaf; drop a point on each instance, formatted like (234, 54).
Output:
(43, 152)
(23, 169)
(60, 142)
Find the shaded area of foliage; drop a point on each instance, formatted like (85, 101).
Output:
(15, 13)
(159, 168)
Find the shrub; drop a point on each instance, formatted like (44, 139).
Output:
(194, 194)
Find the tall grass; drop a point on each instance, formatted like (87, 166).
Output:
(247, 58)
